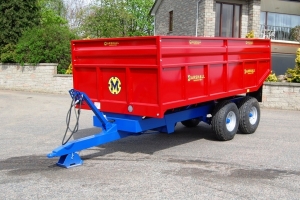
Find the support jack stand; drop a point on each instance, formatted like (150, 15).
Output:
(69, 160)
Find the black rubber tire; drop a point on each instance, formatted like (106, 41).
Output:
(245, 106)
(219, 120)
(191, 123)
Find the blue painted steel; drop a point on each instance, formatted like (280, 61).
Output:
(109, 133)
(250, 114)
(136, 124)
(80, 96)
(84, 143)
(69, 160)
(117, 126)
(237, 99)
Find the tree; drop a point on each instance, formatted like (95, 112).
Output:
(53, 12)
(141, 22)
(48, 44)
(16, 16)
(75, 11)
(119, 18)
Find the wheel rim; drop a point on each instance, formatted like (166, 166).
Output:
(253, 115)
(230, 121)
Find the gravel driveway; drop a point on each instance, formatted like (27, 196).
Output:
(189, 164)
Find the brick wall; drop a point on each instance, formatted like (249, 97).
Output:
(245, 20)
(209, 18)
(281, 96)
(184, 18)
(254, 16)
(40, 78)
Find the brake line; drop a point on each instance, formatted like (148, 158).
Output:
(68, 119)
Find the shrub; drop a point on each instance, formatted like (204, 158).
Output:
(272, 78)
(250, 34)
(293, 75)
(48, 44)
(8, 54)
(69, 70)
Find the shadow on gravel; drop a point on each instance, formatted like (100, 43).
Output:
(24, 165)
(147, 143)
(221, 170)
(231, 173)
(151, 141)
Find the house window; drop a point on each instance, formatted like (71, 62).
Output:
(171, 21)
(278, 26)
(228, 20)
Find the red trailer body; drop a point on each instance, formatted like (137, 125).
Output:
(137, 84)
(146, 76)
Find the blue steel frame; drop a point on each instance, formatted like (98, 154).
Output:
(117, 126)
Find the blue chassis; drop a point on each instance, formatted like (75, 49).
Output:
(117, 126)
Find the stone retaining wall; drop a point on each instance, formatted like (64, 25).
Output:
(39, 78)
(281, 95)
(43, 78)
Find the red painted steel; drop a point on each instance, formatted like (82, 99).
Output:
(146, 76)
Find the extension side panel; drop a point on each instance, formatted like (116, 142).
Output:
(121, 74)
(253, 56)
(197, 69)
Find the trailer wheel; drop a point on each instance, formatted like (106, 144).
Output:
(249, 115)
(225, 120)
(191, 123)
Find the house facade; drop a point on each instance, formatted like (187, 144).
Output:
(208, 18)
(272, 19)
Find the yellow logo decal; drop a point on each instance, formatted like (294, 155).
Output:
(114, 85)
(111, 44)
(196, 77)
(195, 42)
(249, 71)
(249, 42)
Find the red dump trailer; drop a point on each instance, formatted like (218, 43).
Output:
(151, 83)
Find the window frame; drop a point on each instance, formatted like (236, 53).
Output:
(171, 21)
(266, 13)
(233, 18)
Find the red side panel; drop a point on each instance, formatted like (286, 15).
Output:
(85, 79)
(195, 87)
(172, 84)
(144, 86)
(235, 69)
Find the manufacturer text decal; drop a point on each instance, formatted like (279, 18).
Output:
(195, 42)
(196, 77)
(249, 71)
(111, 43)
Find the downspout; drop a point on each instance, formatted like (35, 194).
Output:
(197, 17)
